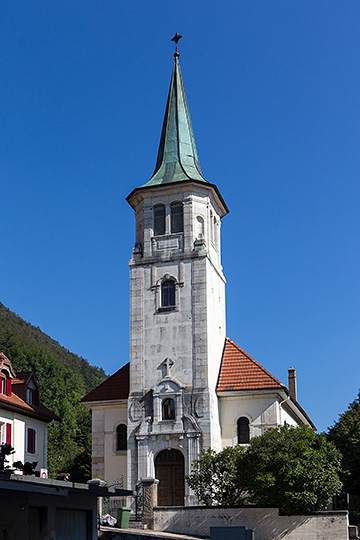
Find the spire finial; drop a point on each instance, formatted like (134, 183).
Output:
(176, 38)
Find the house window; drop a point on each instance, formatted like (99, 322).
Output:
(31, 441)
(168, 293)
(121, 437)
(168, 409)
(30, 396)
(177, 217)
(5, 386)
(243, 430)
(159, 219)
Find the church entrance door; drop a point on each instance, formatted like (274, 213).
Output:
(170, 471)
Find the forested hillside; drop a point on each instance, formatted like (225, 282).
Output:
(63, 379)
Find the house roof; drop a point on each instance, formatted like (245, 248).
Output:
(23, 377)
(239, 371)
(15, 403)
(115, 387)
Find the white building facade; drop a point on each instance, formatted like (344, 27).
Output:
(23, 419)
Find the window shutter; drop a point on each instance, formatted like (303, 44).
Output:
(8, 387)
(8, 433)
(31, 441)
(36, 397)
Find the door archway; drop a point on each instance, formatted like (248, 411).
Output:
(170, 471)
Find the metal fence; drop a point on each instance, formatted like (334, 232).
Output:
(109, 505)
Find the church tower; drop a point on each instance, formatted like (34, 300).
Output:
(177, 309)
(187, 386)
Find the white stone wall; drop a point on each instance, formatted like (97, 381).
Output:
(265, 409)
(266, 522)
(108, 463)
(20, 423)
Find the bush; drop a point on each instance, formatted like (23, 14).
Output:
(294, 469)
(214, 477)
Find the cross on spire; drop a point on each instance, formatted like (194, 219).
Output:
(176, 38)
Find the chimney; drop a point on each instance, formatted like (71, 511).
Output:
(292, 382)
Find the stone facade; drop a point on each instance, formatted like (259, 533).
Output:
(175, 351)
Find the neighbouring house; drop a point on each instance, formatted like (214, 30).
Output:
(23, 418)
(187, 386)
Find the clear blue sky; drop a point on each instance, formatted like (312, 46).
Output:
(273, 89)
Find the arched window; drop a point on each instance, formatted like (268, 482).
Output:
(168, 409)
(168, 293)
(159, 219)
(121, 437)
(177, 218)
(243, 430)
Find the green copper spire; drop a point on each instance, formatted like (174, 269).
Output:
(177, 159)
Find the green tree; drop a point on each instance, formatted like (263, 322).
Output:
(80, 468)
(214, 477)
(345, 433)
(294, 469)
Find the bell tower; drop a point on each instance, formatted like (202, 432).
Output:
(177, 304)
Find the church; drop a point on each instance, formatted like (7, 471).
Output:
(187, 386)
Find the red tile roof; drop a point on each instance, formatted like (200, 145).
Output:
(22, 377)
(115, 387)
(15, 403)
(239, 371)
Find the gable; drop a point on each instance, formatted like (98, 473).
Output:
(239, 371)
(115, 387)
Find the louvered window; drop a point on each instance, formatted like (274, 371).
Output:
(177, 218)
(159, 219)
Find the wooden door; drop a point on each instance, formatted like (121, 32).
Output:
(169, 470)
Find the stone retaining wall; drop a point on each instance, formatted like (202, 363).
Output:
(266, 522)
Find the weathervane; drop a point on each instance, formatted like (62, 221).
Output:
(176, 38)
